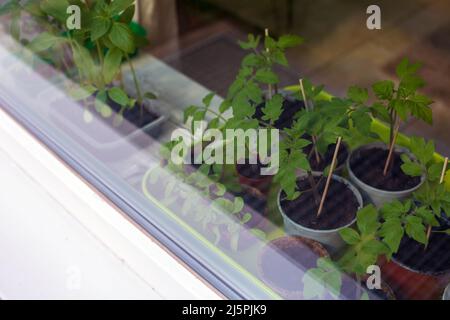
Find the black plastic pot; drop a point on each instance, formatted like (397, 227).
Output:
(101, 136)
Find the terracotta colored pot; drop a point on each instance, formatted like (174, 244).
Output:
(412, 275)
(413, 285)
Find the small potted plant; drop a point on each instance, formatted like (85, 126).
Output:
(282, 260)
(328, 281)
(109, 115)
(376, 168)
(420, 265)
(313, 205)
(232, 221)
(256, 100)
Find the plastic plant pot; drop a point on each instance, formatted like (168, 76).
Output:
(249, 175)
(375, 195)
(329, 237)
(446, 295)
(100, 137)
(282, 262)
(413, 281)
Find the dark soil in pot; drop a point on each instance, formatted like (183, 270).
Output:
(368, 166)
(290, 108)
(327, 158)
(284, 260)
(132, 120)
(250, 175)
(435, 259)
(339, 210)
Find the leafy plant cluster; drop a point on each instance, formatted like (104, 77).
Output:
(379, 232)
(210, 216)
(98, 49)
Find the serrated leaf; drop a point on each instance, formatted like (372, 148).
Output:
(384, 89)
(350, 236)
(289, 41)
(358, 94)
(266, 76)
(273, 108)
(367, 220)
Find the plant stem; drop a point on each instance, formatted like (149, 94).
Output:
(314, 188)
(314, 140)
(391, 150)
(99, 52)
(136, 83)
(330, 175)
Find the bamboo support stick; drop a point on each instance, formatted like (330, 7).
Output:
(302, 89)
(330, 175)
(441, 180)
(391, 149)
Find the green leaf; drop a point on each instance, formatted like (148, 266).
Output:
(253, 92)
(415, 229)
(273, 108)
(266, 76)
(384, 90)
(280, 58)
(381, 112)
(112, 62)
(84, 62)
(56, 9)
(208, 98)
(350, 236)
(241, 106)
(44, 41)
(100, 100)
(357, 94)
(367, 220)
(127, 16)
(99, 26)
(412, 169)
(289, 41)
(119, 96)
(404, 68)
(81, 93)
(117, 6)
(224, 106)
(150, 95)
(252, 43)
(392, 233)
(122, 37)
(238, 205)
(252, 60)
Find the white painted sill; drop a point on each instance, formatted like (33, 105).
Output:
(65, 241)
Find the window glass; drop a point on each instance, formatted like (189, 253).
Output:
(162, 105)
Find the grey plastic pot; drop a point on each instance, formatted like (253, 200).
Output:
(378, 196)
(446, 295)
(330, 238)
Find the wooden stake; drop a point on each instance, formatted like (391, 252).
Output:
(330, 175)
(444, 170)
(266, 33)
(302, 89)
(391, 149)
